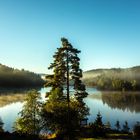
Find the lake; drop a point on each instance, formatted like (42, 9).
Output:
(113, 106)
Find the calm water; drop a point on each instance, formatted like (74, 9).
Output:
(113, 106)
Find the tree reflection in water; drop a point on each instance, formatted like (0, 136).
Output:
(129, 101)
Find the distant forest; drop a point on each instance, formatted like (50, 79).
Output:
(10, 77)
(114, 79)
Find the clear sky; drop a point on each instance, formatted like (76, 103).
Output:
(106, 31)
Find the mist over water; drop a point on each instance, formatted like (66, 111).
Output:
(113, 106)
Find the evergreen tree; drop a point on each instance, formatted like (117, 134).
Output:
(117, 125)
(126, 127)
(98, 120)
(66, 67)
(98, 126)
(29, 121)
(65, 111)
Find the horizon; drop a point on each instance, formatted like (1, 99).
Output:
(50, 72)
(106, 32)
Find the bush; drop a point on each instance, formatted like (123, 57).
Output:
(137, 129)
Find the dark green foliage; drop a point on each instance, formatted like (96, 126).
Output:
(59, 79)
(10, 77)
(16, 136)
(114, 79)
(1, 125)
(108, 133)
(137, 129)
(98, 121)
(126, 127)
(106, 82)
(63, 112)
(117, 125)
(30, 120)
(56, 117)
(98, 126)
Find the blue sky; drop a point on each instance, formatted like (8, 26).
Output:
(106, 31)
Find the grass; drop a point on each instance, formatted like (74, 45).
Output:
(87, 139)
(91, 139)
(114, 136)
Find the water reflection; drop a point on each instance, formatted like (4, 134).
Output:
(9, 113)
(112, 105)
(9, 96)
(115, 106)
(124, 101)
(11, 102)
(129, 101)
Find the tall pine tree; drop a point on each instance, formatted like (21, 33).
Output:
(70, 111)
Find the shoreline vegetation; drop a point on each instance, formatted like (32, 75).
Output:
(92, 131)
(115, 79)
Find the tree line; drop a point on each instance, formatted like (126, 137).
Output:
(115, 79)
(10, 77)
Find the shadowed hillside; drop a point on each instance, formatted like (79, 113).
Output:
(10, 77)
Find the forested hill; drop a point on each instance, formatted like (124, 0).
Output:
(10, 77)
(114, 79)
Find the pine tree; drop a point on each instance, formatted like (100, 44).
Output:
(29, 121)
(98, 120)
(126, 127)
(117, 125)
(98, 126)
(66, 68)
